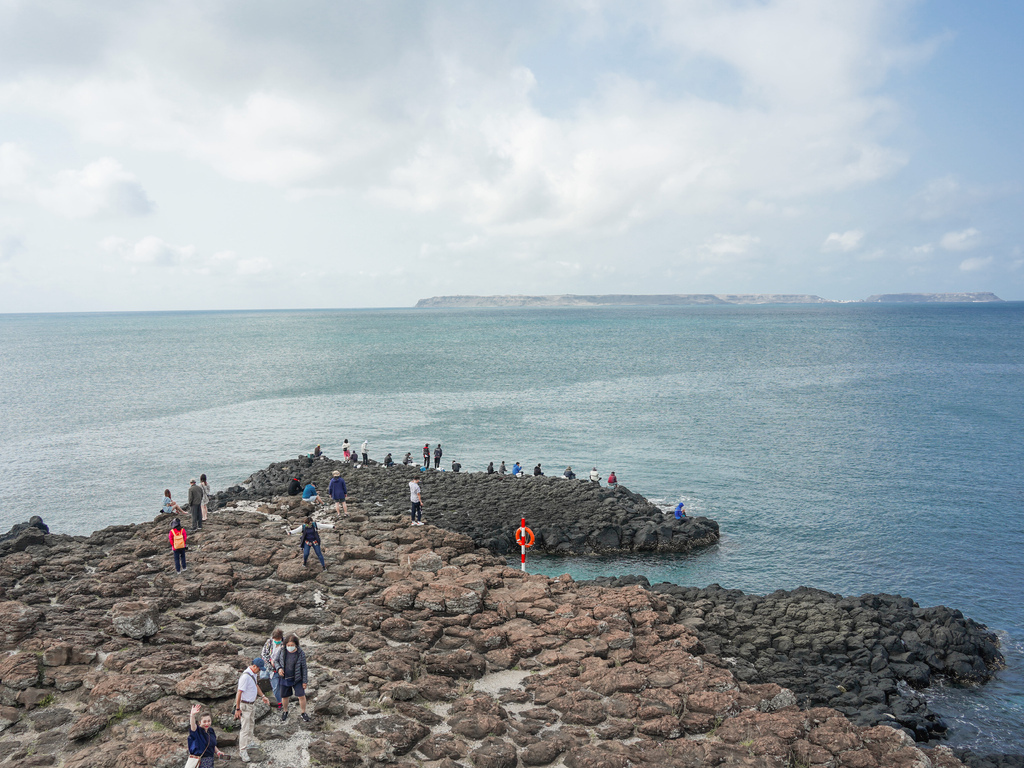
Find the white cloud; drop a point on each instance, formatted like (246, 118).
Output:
(148, 250)
(102, 188)
(845, 241)
(975, 263)
(730, 245)
(964, 240)
(15, 163)
(10, 246)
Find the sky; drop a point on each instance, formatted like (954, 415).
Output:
(217, 154)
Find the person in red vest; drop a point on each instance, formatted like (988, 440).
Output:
(179, 543)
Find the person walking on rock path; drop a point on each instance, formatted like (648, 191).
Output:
(437, 456)
(271, 648)
(247, 692)
(295, 676)
(310, 539)
(179, 543)
(202, 739)
(338, 491)
(416, 499)
(595, 476)
(195, 504)
(365, 451)
(206, 496)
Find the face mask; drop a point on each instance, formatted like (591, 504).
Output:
(277, 642)
(292, 649)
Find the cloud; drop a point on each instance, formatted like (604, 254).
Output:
(10, 246)
(964, 240)
(730, 245)
(15, 164)
(101, 188)
(152, 250)
(845, 242)
(436, 112)
(975, 263)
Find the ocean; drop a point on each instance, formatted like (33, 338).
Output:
(850, 447)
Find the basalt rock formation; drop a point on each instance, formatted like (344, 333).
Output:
(424, 650)
(567, 516)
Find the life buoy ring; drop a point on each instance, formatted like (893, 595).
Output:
(524, 539)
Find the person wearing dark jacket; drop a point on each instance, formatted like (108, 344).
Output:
(437, 456)
(195, 503)
(294, 487)
(310, 539)
(426, 456)
(490, 468)
(294, 676)
(338, 491)
(537, 472)
(456, 466)
(388, 461)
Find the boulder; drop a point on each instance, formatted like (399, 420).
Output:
(212, 681)
(400, 733)
(17, 621)
(135, 619)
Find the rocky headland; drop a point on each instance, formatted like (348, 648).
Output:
(566, 516)
(426, 649)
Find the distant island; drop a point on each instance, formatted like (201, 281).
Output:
(687, 299)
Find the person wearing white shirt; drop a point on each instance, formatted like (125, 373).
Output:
(366, 447)
(245, 705)
(417, 502)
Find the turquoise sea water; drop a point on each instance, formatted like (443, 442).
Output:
(855, 448)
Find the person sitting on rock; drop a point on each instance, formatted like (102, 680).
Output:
(179, 543)
(294, 486)
(317, 453)
(311, 494)
(537, 471)
(501, 469)
(310, 539)
(490, 468)
(517, 470)
(569, 474)
(595, 477)
(680, 511)
(612, 480)
(388, 461)
(456, 466)
(295, 676)
(202, 739)
(170, 506)
(408, 458)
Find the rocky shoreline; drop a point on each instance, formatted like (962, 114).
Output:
(567, 516)
(426, 649)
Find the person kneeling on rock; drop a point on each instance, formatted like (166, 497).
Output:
(311, 539)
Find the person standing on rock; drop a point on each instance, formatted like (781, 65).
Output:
(295, 676)
(437, 456)
(417, 502)
(245, 705)
(202, 739)
(364, 451)
(271, 648)
(310, 539)
(595, 476)
(179, 543)
(346, 450)
(206, 496)
(195, 504)
(426, 456)
(338, 491)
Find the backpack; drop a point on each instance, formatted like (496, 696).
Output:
(310, 534)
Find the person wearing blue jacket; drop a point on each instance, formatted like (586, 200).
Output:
(202, 739)
(338, 491)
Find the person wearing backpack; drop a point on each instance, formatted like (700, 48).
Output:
(310, 539)
(179, 543)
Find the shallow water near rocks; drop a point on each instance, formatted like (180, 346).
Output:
(854, 448)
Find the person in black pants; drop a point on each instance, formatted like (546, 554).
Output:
(437, 456)
(426, 456)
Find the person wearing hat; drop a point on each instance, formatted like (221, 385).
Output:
(195, 504)
(179, 543)
(338, 491)
(569, 474)
(595, 476)
(245, 705)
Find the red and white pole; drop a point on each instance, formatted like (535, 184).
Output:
(522, 539)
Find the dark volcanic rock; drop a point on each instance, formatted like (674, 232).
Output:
(567, 516)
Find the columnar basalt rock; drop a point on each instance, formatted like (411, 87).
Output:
(567, 516)
(422, 646)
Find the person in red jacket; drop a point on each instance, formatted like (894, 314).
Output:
(179, 543)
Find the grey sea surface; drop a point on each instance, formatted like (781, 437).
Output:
(855, 448)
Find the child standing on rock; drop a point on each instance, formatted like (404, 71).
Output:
(179, 543)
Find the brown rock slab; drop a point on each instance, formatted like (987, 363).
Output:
(400, 733)
(20, 671)
(338, 749)
(212, 681)
(494, 753)
(135, 619)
